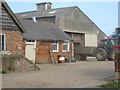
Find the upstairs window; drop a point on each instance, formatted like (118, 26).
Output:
(2, 42)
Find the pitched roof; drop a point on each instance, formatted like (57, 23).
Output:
(46, 13)
(53, 12)
(42, 31)
(12, 15)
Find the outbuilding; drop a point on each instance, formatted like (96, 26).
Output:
(39, 42)
(85, 33)
(11, 30)
(45, 43)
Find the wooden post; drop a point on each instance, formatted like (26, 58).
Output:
(117, 67)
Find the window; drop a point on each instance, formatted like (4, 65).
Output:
(55, 47)
(30, 40)
(2, 42)
(66, 46)
(107, 42)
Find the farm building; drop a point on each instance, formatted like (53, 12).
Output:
(11, 40)
(85, 33)
(39, 42)
(43, 44)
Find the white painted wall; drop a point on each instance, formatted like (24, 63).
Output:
(91, 40)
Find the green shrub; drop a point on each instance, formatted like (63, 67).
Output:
(111, 85)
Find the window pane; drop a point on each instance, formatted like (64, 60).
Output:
(3, 42)
(54, 47)
(33, 40)
(65, 47)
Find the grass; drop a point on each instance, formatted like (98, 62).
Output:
(111, 85)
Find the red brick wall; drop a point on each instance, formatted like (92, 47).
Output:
(43, 52)
(14, 42)
(61, 53)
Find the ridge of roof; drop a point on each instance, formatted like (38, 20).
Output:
(64, 9)
(46, 10)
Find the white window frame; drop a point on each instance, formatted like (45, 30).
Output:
(55, 43)
(4, 42)
(66, 42)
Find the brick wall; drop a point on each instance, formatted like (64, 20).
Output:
(14, 42)
(43, 52)
(61, 53)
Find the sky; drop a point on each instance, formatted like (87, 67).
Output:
(103, 14)
(119, 14)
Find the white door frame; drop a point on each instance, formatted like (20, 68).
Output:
(30, 42)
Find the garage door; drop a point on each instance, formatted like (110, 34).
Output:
(91, 40)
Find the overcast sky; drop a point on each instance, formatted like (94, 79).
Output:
(103, 14)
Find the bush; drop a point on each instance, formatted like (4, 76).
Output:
(111, 85)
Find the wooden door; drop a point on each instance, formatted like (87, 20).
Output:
(44, 52)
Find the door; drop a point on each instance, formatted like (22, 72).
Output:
(90, 40)
(30, 50)
(44, 53)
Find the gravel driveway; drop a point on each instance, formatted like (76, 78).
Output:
(82, 74)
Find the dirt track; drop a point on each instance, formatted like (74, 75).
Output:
(82, 74)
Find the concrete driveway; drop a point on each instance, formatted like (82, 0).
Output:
(82, 74)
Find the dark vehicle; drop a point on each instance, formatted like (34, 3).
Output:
(108, 47)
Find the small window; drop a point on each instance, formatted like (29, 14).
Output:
(66, 46)
(30, 40)
(55, 47)
(2, 42)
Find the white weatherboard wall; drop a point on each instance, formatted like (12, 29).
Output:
(91, 40)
